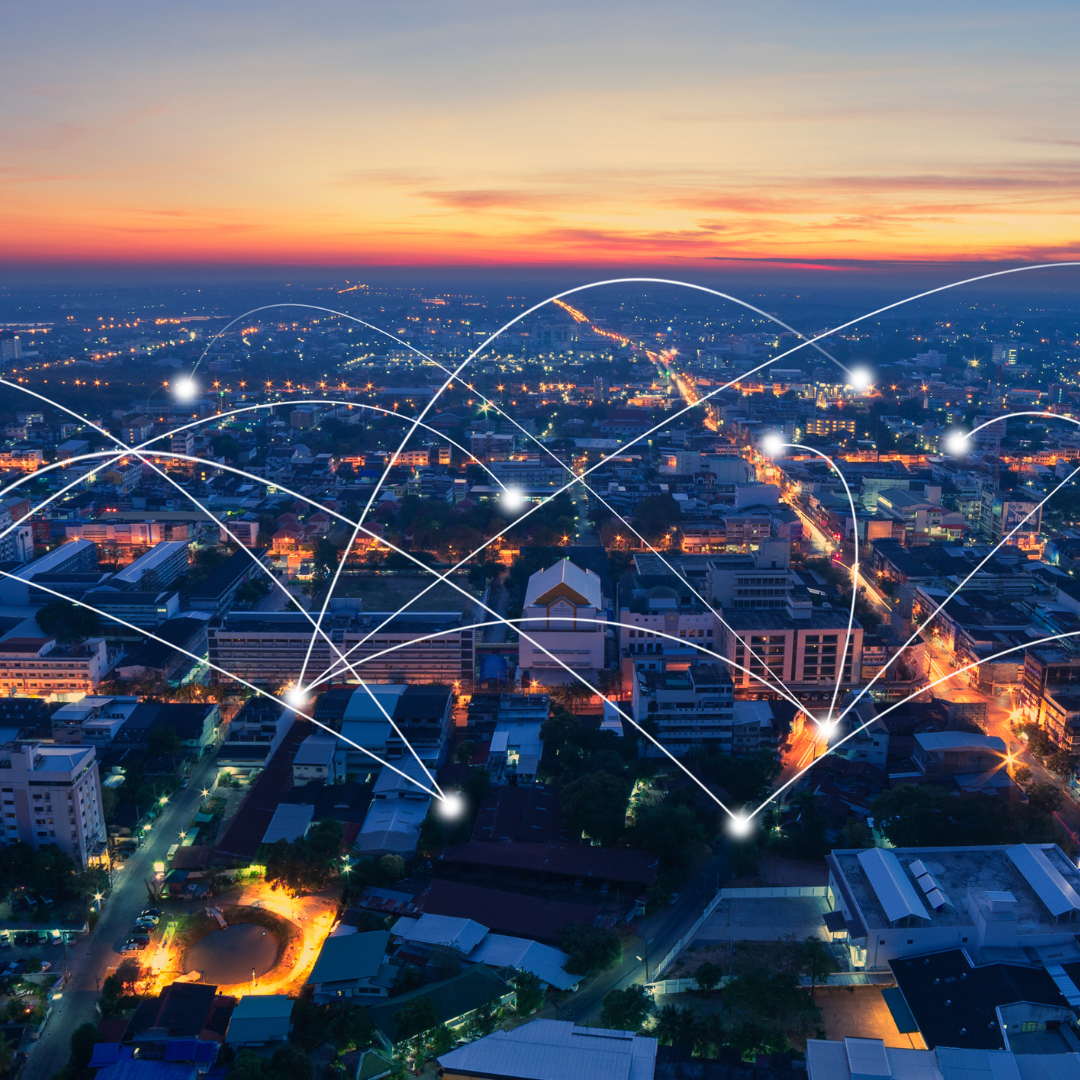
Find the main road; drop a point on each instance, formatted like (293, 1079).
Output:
(89, 962)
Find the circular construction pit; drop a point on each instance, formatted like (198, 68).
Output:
(228, 956)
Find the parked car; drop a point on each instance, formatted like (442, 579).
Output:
(46, 965)
(5, 939)
(152, 912)
(46, 900)
(55, 937)
(133, 946)
(43, 937)
(153, 920)
(140, 935)
(69, 937)
(9, 970)
(21, 965)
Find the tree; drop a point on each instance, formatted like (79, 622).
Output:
(672, 832)
(82, 1042)
(708, 976)
(668, 1025)
(747, 779)
(528, 993)
(163, 741)
(247, 1065)
(308, 864)
(289, 1063)
(465, 752)
(1061, 762)
(751, 1037)
(626, 1010)
(818, 962)
(595, 806)
(129, 973)
(67, 622)
(655, 515)
(590, 948)
(393, 867)
(414, 1018)
(1045, 797)
(442, 1040)
(483, 1022)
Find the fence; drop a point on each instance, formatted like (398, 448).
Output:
(842, 978)
(792, 891)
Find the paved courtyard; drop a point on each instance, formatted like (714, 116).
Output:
(765, 919)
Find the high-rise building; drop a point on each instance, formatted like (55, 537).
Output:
(52, 795)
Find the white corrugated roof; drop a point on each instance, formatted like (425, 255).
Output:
(461, 934)
(1040, 873)
(583, 582)
(289, 822)
(893, 887)
(557, 1050)
(546, 963)
(959, 740)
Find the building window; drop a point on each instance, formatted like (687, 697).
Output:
(911, 941)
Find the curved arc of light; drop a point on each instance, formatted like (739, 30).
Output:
(318, 630)
(780, 687)
(937, 682)
(854, 569)
(229, 674)
(993, 551)
(500, 619)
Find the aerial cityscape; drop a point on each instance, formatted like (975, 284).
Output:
(510, 574)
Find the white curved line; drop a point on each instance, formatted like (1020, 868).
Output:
(229, 674)
(993, 551)
(904, 701)
(854, 569)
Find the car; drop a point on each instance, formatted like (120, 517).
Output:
(69, 937)
(46, 966)
(21, 965)
(152, 912)
(5, 939)
(140, 936)
(55, 937)
(153, 920)
(9, 970)
(132, 946)
(184, 783)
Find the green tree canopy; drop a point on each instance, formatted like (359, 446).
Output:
(595, 806)
(590, 948)
(528, 993)
(416, 1016)
(626, 1010)
(655, 515)
(67, 622)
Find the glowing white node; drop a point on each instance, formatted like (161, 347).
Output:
(741, 826)
(861, 378)
(185, 388)
(957, 443)
(829, 726)
(295, 697)
(772, 445)
(451, 807)
(512, 499)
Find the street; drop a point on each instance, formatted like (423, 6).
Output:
(89, 961)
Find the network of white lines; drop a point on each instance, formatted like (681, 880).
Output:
(297, 696)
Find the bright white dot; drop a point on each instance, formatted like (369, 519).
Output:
(957, 443)
(741, 826)
(185, 388)
(296, 697)
(451, 807)
(512, 499)
(829, 726)
(861, 378)
(772, 445)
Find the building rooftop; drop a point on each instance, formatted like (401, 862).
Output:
(885, 884)
(290, 822)
(555, 1050)
(564, 579)
(350, 956)
(460, 934)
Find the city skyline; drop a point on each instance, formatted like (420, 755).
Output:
(481, 135)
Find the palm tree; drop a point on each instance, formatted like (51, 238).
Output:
(668, 1024)
(691, 1027)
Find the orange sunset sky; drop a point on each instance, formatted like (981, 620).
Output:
(524, 133)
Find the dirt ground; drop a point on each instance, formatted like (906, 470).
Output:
(860, 1012)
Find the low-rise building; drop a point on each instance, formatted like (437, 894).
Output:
(554, 1050)
(39, 666)
(398, 808)
(909, 901)
(688, 709)
(314, 761)
(260, 1020)
(352, 966)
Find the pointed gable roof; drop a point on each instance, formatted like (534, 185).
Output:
(564, 580)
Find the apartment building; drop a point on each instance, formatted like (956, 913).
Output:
(38, 666)
(157, 569)
(688, 709)
(52, 795)
(73, 557)
(416, 647)
(799, 652)
(758, 581)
